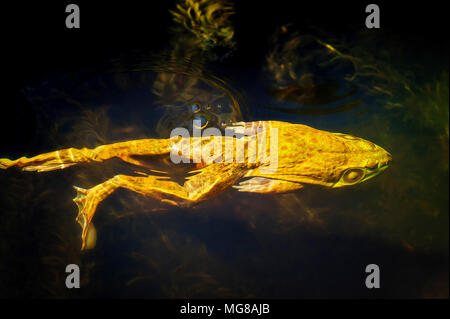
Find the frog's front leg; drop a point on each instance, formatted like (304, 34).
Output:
(210, 180)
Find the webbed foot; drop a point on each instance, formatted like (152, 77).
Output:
(87, 201)
(84, 216)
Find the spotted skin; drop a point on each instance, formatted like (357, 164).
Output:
(305, 156)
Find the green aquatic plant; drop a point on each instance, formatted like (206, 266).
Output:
(207, 21)
(429, 106)
(309, 60)
(183, 87)
(297, 65)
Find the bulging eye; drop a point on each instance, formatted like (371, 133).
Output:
(195, 108)
(353, 175)
(200, 122)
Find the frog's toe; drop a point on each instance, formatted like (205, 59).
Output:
(82, 218)
(80, 199)
(80, 190)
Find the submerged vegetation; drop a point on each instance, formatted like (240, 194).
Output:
(206, 21)
(240, 245)
(300, 67)
(429, 106)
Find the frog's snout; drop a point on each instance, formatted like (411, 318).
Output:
(389, 158)
(386, 159)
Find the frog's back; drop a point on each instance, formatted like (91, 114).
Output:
(297, 142)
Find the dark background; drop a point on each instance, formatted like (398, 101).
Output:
(35, 41)
(36, 44)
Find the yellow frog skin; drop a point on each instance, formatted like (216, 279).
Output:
(305, 156)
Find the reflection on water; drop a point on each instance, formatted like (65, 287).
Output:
(312, 243)
(188, 96)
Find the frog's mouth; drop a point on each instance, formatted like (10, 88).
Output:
(369, 173)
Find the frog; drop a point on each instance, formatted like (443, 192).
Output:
(305, 155)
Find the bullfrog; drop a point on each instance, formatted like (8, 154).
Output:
(305, 155)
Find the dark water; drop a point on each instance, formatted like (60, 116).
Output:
(116, 83)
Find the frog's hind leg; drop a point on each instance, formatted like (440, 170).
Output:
(71, 156)
(87, 201)
(49, 161)
(210, 180)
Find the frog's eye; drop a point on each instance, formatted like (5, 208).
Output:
(200, 122)
(195, 108)
(353, 175)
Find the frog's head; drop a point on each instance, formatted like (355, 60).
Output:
(312, 156)
(364, 160)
